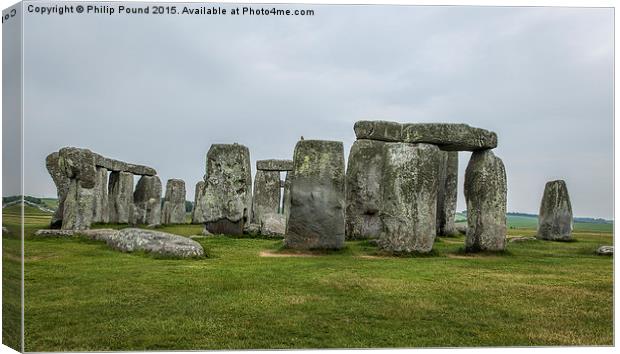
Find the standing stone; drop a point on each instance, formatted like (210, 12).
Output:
(147, 201)
(363, 190)
(316, 219)
(78, 207)
(173, 211)
(78, 164)
(286, 197)
(555, 220)
(62, 186)
(198, 213)
(409, 193)
(228, 189)
(447, 192)
(100, 196)
(485, 194)
(266, 198)
(120, 197)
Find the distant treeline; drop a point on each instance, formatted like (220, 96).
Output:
(575, 219)
(19, 197)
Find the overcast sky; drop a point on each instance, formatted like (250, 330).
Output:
(159, 90)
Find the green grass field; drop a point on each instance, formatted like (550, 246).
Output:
(82, 296)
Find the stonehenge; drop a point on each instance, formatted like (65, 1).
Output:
(485, 195)
(147, 201)
(86, 194)
(555, 219)
(388, 191)
(173, 209)
(399, 189)
(267, 213)
(228, 189)
(447, 192)
(316, 219)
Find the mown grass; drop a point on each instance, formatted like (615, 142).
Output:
(251, 293)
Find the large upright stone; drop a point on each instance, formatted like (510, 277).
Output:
(286, 197)
(266, 198)
(364, 200)
(447, 192)
(198, 212)
(409, 194)
(62, 186)
(448, 136)
(555, 220)
(120, 197)
(100, 196)
(78, 207)
(228, 189)
(316, 219)
(147, 201)
(78, 165)
(173, 211)
(485, 194)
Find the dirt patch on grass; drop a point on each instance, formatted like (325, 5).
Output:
(285, 254)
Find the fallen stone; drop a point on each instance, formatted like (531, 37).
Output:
(461, 228)
(147, 201)
(54, 233)
(448, 136)
(316, 219)
(409, 192)
(62, 186)
(266, 196)
(555, 219)
(156, 242)
(198, 214)
(273, 225)
(97, 234)
(447, 192)
(485, 194)
(228, 189)
(120, 197)
(101, 213)
(120, 166)
(251, 229)
(605, 251)
(274, 165)
(5, 230)
(521, 239)
(364, 199)
(173, 210)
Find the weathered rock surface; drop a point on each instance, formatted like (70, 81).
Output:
(147, 201)
(447, 192)
(78, 164)
(228, 189)
(274, 165)
(448, 136)
(120, 166)
(62, 186)
(316, 219)
(173, 210)
(605, 251)
(54, 233)
(521, 239)
(78, 207)
(485, 194)
(409, 193)
(555, 219)
(266, 197)
(273, 225)
(364, 198)
(100, 196)
(120, 197)
(461, 228)
(198, 212)
(161, 243)
(286, 197)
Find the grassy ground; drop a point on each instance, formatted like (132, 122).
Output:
(82, 296)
